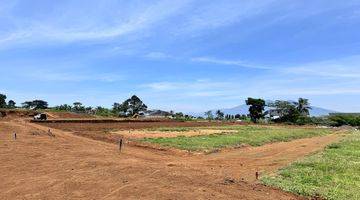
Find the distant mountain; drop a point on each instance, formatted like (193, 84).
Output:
(244, 110)
(317, 111)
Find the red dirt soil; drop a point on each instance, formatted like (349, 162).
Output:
(134, 125)
(37, 166)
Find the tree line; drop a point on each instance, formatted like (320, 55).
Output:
(132, 106)
(284, 111)
(295, 112)
(4, 104)
(129, 107)
(278, 111)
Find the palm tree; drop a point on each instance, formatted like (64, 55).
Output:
(303, 106)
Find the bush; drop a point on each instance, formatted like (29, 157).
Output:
(302, 120)
(341, 120)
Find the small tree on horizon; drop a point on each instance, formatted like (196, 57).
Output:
(219, 115)
(11, 104)
(78, 107)
(40, 104)
(2, 101)
(35, 104)
(209, 115)
(257, 107)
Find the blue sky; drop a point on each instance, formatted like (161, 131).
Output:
(183, 55)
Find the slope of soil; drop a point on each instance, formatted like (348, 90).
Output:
(134, 125)
(39, 166)
(68, 115)
(138, 134)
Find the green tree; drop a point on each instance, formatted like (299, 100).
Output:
(209, 115)
(303, 106)
(219, 115)
(64, 107)
(285, 110)
(179, 115)
(78, 107)
(27, 104)
(2, 101)
(256, 109)
(11, 104)
(116, 108)
(40, 104)
(105, 112)
(36, 104)
(132, 106)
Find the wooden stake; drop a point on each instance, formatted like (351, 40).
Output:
(120, 144)
(14, 136)
(257, 175)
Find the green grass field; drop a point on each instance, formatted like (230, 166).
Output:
(333, 174)
(251, 135)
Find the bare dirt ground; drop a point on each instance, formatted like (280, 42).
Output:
(39, 166)
(136, 125)
(111, 132)
(138, 134)
(68, 115)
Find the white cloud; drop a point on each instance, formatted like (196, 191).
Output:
(102, 22)
(215, 14)
(228, 62)
(162, 86)
(348, 67)
(157, 55)
(196, 85)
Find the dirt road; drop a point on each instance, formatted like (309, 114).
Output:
(38, 166)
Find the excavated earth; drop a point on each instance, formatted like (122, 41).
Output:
(62, 165)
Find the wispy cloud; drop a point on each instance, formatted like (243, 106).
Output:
(191, 85)
(348, 67)
(157, 55)
(98, 24)
(223, 13)
(228, 62)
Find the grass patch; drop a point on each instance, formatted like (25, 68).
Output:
(333, 174)
(251, 135)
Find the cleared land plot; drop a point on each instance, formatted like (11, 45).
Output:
(129, 125)
(139, 134)
(111, 132)
(36, 166)
(248, 135)
(332, 174)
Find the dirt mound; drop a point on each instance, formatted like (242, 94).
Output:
(22, 113)
(68, 115)
(17, 113)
